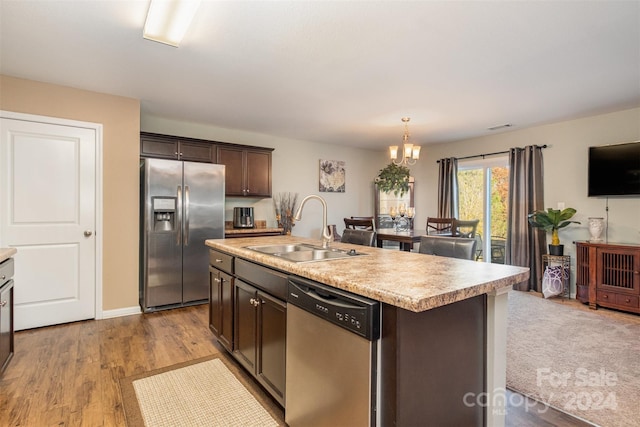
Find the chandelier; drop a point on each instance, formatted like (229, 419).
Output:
(410, 152)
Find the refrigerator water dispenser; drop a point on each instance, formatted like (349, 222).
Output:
(164, 213)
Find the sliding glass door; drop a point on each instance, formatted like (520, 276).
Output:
(483, 194)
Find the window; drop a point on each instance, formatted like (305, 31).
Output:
(483, 194)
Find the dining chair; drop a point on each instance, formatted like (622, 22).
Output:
(440, 225)
(454, 247)
(360, 223)
(498, 249)
(359, 237)
(465, 228)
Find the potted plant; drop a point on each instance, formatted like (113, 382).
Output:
(393, 178)
(552, 220)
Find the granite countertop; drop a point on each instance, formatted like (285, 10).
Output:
(6, 253)
(252, 230)
(409, 280)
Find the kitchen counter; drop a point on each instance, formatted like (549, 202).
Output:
(443, 326)
(6, 253)
(251, 232)
(411, 281)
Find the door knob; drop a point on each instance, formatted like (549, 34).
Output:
(88, 233)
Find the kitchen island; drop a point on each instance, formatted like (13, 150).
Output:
(443, 327)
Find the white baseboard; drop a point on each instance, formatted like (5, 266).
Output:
(119, 312)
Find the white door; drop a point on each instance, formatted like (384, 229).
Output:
(48, 213)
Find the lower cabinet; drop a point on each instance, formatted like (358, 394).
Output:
(221, 307)
(260, 336)
(608, 275)
(6, 313)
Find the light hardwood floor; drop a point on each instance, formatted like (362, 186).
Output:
(68, 375)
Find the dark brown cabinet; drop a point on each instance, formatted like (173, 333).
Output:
(608, 275)
(6, 313)
(248, 315)
(177, 148)
(221, 297)
(260, 336)
(248, 171)
(260, 324)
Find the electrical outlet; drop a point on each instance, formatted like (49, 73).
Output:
(561, 206)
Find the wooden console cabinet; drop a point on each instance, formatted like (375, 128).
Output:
(608, 275)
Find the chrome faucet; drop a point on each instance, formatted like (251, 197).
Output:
(327, 235)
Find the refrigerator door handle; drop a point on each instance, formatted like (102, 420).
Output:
(179, 214)
(186, 215)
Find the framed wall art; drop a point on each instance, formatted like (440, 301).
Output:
(332, 176)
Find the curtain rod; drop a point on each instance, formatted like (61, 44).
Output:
(490, 154)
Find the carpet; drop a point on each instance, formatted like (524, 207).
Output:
(581, 361)
(211, 391)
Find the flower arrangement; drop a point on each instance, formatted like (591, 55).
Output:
(285, 207)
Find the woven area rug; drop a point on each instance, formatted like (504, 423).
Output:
(581, 361)
(212, 391)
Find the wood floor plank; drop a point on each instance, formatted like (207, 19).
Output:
(69, 374)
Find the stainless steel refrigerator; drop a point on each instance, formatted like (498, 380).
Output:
(181, 205)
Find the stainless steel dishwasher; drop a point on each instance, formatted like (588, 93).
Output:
(331, 356)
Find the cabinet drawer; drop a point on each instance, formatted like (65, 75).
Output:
(606, 297)
(264, 278)
(630, 301)
(6, 270)
(221, 261)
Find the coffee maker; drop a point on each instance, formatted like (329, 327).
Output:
(242, 217)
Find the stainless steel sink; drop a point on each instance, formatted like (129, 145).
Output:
(303, 252)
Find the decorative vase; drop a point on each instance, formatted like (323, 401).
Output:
(557, 250)
(596, 225)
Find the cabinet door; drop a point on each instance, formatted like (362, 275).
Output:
(618, 269)
(6, 324)
(158, 146)
(197, 151)
(582, 272)
(244, 324)
(215, 305)
(258, 173)
(226, 305)
(272, 332)
(232, 158)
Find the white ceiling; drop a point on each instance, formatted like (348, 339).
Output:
(342, 72)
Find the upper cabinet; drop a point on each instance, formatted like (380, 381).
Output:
(178, 148)
(248, 170)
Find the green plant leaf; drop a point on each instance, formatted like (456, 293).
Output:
(393, 178)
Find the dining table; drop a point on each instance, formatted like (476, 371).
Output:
(406, 238)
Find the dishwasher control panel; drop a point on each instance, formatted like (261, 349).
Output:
(355, 313)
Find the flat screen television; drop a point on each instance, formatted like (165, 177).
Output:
(614, 170)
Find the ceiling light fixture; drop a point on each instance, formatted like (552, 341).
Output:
(410, 152)
(497, 127)
(168, 20)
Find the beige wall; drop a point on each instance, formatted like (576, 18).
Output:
(120, 118)
(565, 171)
(295, 169)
